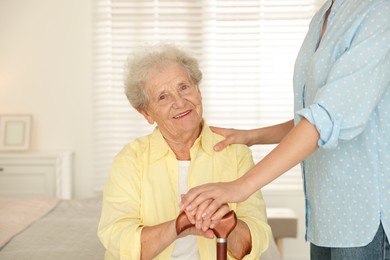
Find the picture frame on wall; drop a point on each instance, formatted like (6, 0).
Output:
(15, 131)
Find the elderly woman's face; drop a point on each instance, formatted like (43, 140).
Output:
(175, 102)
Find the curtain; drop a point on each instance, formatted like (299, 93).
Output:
(246, 51)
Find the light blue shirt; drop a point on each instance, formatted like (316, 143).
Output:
(343, 88)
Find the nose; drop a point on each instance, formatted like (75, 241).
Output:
(179, 101)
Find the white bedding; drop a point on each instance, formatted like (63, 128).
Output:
(18, 213)
(52, 229)
(67, 232)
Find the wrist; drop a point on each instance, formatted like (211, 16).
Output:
(251, 134)
(247, 184)
(243, 188)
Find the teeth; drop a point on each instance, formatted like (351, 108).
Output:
(181, 115)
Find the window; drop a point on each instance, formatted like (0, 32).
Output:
(246, 51)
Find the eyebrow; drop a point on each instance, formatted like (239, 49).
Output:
(181, 83)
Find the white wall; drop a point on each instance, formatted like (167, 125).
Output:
(45, 71)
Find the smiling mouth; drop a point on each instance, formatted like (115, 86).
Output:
(182, 114)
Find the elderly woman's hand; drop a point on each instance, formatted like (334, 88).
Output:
(214, 220)
(204, 224)
(193, 231)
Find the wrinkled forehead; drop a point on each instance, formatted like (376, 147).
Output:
(168, 76)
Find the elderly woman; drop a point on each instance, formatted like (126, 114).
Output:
(140, 201)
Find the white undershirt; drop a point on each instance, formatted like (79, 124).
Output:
(186, 248)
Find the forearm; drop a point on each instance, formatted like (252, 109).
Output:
(155, 239)
(298, 144)
(270, 134)
(239, 241)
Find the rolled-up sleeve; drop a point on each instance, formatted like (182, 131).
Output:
(327, 125)
(120, 224)
(355, 84)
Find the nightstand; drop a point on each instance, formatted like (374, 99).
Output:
(284, 224)
(40, 174)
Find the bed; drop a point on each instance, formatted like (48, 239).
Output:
(52, 226)
(46, 228)
(49, 228)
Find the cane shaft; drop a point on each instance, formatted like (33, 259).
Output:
(222, 251)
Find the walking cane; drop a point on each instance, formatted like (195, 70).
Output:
(222, 231)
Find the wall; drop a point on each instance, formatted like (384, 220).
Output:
(45, 71)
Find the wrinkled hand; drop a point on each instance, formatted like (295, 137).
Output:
(205, 200)
(208, 223)
(197, 232)
(232, 136)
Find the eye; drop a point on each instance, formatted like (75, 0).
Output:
(162, 97)
(184, 87)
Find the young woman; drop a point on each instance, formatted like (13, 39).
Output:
(340, 133)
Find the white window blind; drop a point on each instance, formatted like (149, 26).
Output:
(246, 51)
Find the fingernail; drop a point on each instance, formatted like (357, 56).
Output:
(181, 206)
(203, 215)
(216, 148)
(212, 226)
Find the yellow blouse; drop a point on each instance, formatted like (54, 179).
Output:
(142, 190)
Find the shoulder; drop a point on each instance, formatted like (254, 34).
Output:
(372, 18)
(239, 149)
(133, 149)
(363, 8)
(359, 20)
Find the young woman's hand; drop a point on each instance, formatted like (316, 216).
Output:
(232, 136)
(264, 135)
(205, 200)
(203, 226)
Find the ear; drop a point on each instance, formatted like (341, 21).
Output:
(147, 116)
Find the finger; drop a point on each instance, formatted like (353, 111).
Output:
(190, 217)
(222, 145)
(218, 215)
(214, 223)
(206, 225)
(209, 234)
(197, 196)
(210, 210)
(187, 200)
(181, 206)
(198, 216)
(201, 208)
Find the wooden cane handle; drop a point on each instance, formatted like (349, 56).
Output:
(226, 225)
(182, 223)
(222, 231)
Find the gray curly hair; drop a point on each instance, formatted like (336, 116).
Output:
(149, 58)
